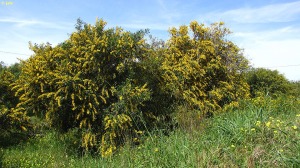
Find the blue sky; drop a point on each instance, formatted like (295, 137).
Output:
(267, 30)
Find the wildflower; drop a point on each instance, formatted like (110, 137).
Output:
(294, 127)
(139, 132)
(268, 124)
(121, 97)
(258, 123)
(156, 150)
(252, 129)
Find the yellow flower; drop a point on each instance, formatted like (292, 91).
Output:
(252, 129)
(121, 97)
(294, 127)
(258, 123)
(156, 150)
(268, 124)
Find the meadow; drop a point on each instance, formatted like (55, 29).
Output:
(262, 132)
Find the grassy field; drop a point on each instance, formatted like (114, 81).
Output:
(261, 133)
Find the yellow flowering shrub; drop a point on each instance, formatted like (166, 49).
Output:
(202, 68)
(111, 85)
(12, 121)
(84, 80)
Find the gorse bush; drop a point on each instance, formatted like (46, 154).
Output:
(203, 69)
(14, 125)
(110, 85)
(87, 82)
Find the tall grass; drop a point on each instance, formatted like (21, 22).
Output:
(263, 132)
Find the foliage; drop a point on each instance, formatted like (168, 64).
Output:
(294, 88)
(202, 68)
(266, 81)
(14, 125)
(7, 97)
(112, 85)
(251, 136)
(87, 82)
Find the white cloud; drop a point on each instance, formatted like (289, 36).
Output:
(20, 23)
(275, 49)
(281, 12)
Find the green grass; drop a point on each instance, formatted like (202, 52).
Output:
(262, 133)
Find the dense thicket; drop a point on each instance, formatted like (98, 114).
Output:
(112, 85)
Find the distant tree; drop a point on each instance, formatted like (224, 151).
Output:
(15, 69)
(266, 81)
(294, 88)
(1, 66)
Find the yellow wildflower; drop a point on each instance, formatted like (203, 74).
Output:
(268, 124)
(258, 123)
(156, 150)
(135, 140)
(294, 127)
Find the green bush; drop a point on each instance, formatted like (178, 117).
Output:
(295, 88)
(267, 82)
